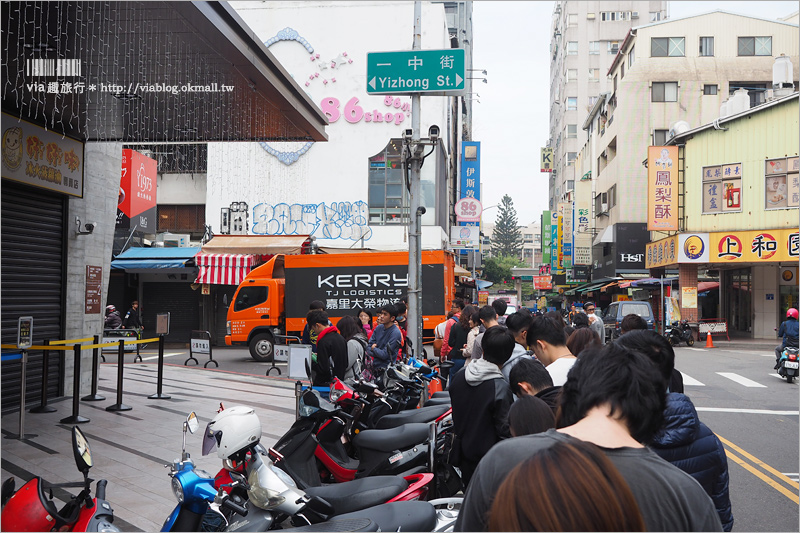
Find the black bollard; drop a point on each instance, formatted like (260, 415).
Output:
(94, 397)
(158, 395)
(76, 418)
(44, 408)
(119, 406)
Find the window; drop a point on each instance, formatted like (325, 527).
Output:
(722, 188)
(631, 57)
(594, 47)
(706, 46)
(387, 196)
(709, 90)
(594, 74)
(572, 74)
(612, 196)
(572, 48)
(571, 157)
(182, 218)
(572, 131)
(601, 204)
(572, 103)
(782, 187)
(572, 19)
(622, 70)
(755, 46)
(590, 16)
(570, 185)
(613, 47)
(248, 297)
(612, 16)
(655, 16)
(615, 84)
(660, 137)
(756, 90)
(667, 46)
(527, 237)
(665, 91)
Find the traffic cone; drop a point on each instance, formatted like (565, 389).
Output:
(709, 342)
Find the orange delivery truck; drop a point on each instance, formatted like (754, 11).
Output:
(272, 301)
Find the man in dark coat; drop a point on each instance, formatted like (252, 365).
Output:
(331, 349)
(113, 319)
(132, 320)
(481, 399)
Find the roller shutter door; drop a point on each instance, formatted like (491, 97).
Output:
(33, 260)
(177, 299)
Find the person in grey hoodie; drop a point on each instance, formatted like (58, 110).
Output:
(481, 398)
(517, 324)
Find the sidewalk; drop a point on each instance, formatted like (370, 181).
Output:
(130, 448)
(767, 345)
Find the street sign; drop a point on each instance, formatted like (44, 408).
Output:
(25, 332)
(430, 72)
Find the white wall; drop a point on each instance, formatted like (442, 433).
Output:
(181, 189)
(333, 173)
(765, 281)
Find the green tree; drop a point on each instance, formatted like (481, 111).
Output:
(507, 237)
(498, 269)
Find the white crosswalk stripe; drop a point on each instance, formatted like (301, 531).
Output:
(741, 380)
(689, 380)
(697, 349)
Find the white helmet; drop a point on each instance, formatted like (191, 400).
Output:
(232, 430)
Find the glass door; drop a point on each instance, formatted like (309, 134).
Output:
(739, 296)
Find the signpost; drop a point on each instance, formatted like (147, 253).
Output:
(429, 72)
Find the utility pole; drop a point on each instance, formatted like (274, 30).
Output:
(414, 319)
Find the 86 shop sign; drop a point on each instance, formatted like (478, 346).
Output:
(468, 210)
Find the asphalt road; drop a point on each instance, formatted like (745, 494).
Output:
(736, 393)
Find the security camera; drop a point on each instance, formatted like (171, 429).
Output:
(90, 226)
(407, 134)
(433, 133)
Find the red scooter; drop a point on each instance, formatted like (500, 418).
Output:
(31, 509)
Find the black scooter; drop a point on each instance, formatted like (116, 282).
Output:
(680, 332)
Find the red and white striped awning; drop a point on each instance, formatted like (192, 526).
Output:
(224, 269)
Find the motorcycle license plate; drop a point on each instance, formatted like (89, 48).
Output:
(791, 364)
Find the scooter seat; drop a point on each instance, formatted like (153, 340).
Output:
(337, 524)
(436, 402)
(399, 516)
(441, 394)
(387, 440)
(425, 414)
(359, 493)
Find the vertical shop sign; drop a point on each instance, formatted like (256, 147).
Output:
(547, 160)
(470, 182)
(662, 188)
(547, 237)
(94, 278)
(137, 192)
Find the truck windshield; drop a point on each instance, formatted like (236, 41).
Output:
(249, 297)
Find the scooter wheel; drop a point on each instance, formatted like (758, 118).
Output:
(672, 341)
(690, 341)
(789, 379)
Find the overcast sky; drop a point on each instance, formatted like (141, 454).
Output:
(512, 42)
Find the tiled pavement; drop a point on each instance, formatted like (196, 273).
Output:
(130, 448)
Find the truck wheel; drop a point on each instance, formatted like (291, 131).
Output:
(262, 348)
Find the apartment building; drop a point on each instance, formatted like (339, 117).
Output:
(667, 78)
(586, 37)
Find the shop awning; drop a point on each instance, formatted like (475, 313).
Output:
(651, 281)
(224, 269)
(153, 258)
(460, 271)
(607, 235)
(255, 244)
(707, 286)
(483, 284)
(590, 287)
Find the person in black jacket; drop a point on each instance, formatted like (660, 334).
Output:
(481, 399)
(458, 339)
(683, 439)
(331, 349)
(113, 319)
(132, 320)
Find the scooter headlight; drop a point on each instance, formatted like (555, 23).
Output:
(336, 394)
(266, 489)
(177, 489)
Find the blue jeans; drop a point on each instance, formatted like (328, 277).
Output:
(458, 364)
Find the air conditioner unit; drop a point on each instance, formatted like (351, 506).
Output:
(634, 14)
(604, 207)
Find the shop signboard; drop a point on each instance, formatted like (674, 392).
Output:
(542, 282)
(547, 159)
(429, 72)
(689, 297)
(546, 237)
(136, 206)
(464, 237)
(661, 253)
(93, 290)
(41, 158)
(781, 245)
(662, 188)
(693, 248)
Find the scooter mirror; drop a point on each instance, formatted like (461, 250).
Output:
(80, 447)
(192, 423)
(8, 490)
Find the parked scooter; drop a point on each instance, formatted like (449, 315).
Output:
(788, 363)
(30, 509)
(680, 332)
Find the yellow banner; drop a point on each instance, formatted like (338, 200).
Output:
(769, 246)
(661, 253)
(662, 188)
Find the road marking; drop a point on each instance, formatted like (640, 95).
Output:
(689, 380)
(165, 355)
(748, 411)
(741, 380)
(697, 349)
(792, 495)
(794, 476)
(767, 355)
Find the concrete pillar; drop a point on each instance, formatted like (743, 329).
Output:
(687, 277)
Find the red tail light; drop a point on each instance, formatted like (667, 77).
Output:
(792, 357)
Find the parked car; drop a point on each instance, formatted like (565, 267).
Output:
(618, 310)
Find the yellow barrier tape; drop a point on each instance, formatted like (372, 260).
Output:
(71, 341)
(103, 345)
(761, 463)
(51, 348)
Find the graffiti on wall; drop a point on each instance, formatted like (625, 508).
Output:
(339, 220)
